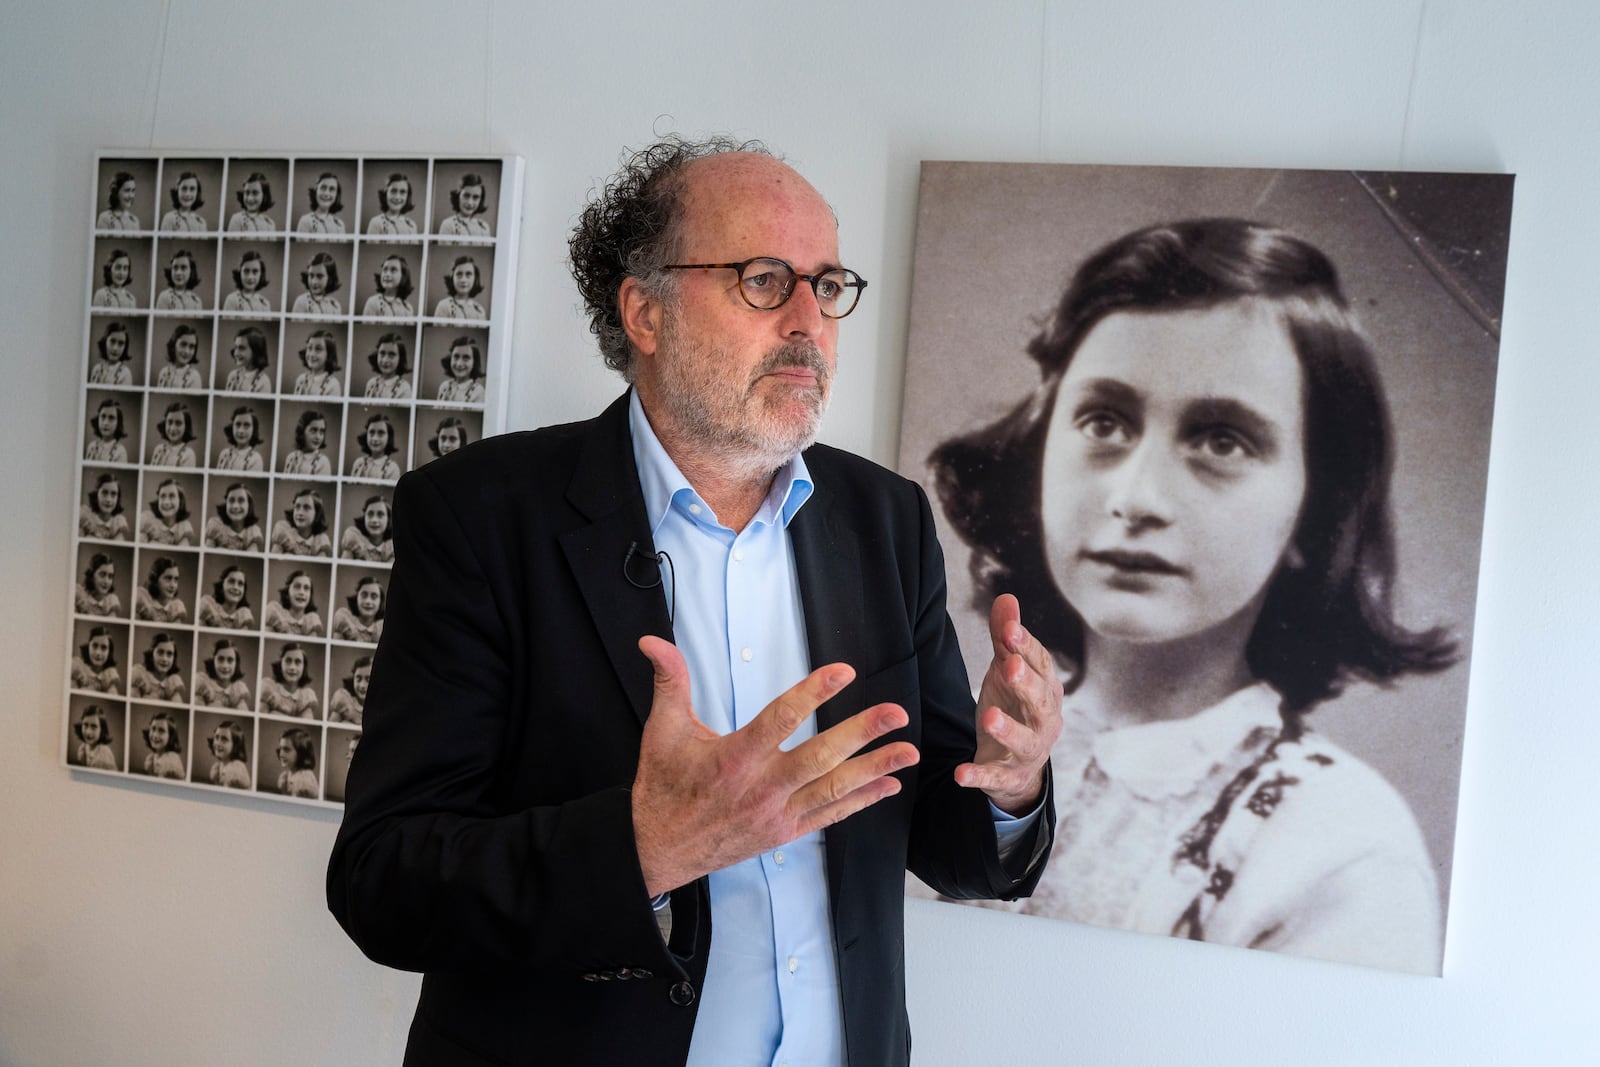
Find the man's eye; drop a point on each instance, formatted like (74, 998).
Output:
(829, 289)
(758, 281)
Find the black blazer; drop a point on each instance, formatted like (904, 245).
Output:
(487, 838)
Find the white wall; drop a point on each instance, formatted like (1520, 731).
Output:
(142, 926)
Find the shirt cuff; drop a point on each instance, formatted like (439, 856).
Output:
(1010, 831)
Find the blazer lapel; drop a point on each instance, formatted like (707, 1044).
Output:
(828, 567)
(605, 489)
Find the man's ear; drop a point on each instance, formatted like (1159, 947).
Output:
(641, 313)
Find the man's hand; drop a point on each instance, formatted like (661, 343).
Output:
(704, 801)
(1019, 715)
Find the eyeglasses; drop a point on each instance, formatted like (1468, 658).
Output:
(767, 284)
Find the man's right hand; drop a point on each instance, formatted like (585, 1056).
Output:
(703, 801)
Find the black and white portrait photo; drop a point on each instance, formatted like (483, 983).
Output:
(1224, 434)
(260, 365)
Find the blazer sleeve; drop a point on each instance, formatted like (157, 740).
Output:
(440, 864)
(952, 845)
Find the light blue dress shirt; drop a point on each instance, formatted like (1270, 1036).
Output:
(771, 992)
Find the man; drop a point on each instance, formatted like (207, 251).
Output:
(602, 846)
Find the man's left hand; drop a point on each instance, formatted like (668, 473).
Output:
(1019, 715)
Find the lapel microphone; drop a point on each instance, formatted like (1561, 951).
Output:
(658, 558)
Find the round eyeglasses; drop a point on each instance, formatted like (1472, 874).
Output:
(767, 284)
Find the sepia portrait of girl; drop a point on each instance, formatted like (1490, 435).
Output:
(227, 605)
(395, 205)
(254, 197)
(234, 525)
(101, 516)
(251, 361)
(113, 356)
(183, 290)
(251, 278)
(223, 680)
(1195, 503)
(95, 667)
(462, 286)
(122, 195)
(242, 440)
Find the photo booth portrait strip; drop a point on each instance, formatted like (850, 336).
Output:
(271, 341)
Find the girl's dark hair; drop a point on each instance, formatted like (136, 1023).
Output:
(255, 424)
(383, 597)
(405, 288)
(326, 261)
(252, 256)
(390, 448)
(319, 516)
(105, 478)
(1322, 624)
(277, 665)
(330, 345)
(183, 330)
(194, 269)
(455, 194)
(199, 191)
(450, 277)
(400, 343)
(216, 586)
(183, 503)
(94, 711)
(338, 201)
(383, 190)
(174, 742)
(118, 180)
(223, 645)
(150, 654)
(178, 407)
(450, 423)
(162, 565)
(360, 522)
(115, 326)
(105, 270)
(105, 632)
(477, 356)
(110, 402)
(307, 417)
(250, 518)
(305, 749)
(266, 191)
(96, 561)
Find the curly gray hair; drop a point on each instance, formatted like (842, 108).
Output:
(631, 229)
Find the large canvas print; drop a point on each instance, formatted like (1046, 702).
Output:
(270, 342)
(1224, 433)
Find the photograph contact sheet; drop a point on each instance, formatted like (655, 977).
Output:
(270, 342)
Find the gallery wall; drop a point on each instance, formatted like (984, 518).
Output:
(141, 925)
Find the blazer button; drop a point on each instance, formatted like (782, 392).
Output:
(681, 994)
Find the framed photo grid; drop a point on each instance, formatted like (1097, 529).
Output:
(270, 342)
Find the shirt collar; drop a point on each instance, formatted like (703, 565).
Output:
(662, 482)
(1166, 758)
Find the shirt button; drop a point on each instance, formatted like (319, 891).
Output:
(794, 965)
(746, 655)
(777, 857)
(681, 994)
(738, 555)
(694, 509)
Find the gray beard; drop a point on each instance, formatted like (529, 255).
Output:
(749, 446)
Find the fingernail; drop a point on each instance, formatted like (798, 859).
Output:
(837, 679)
